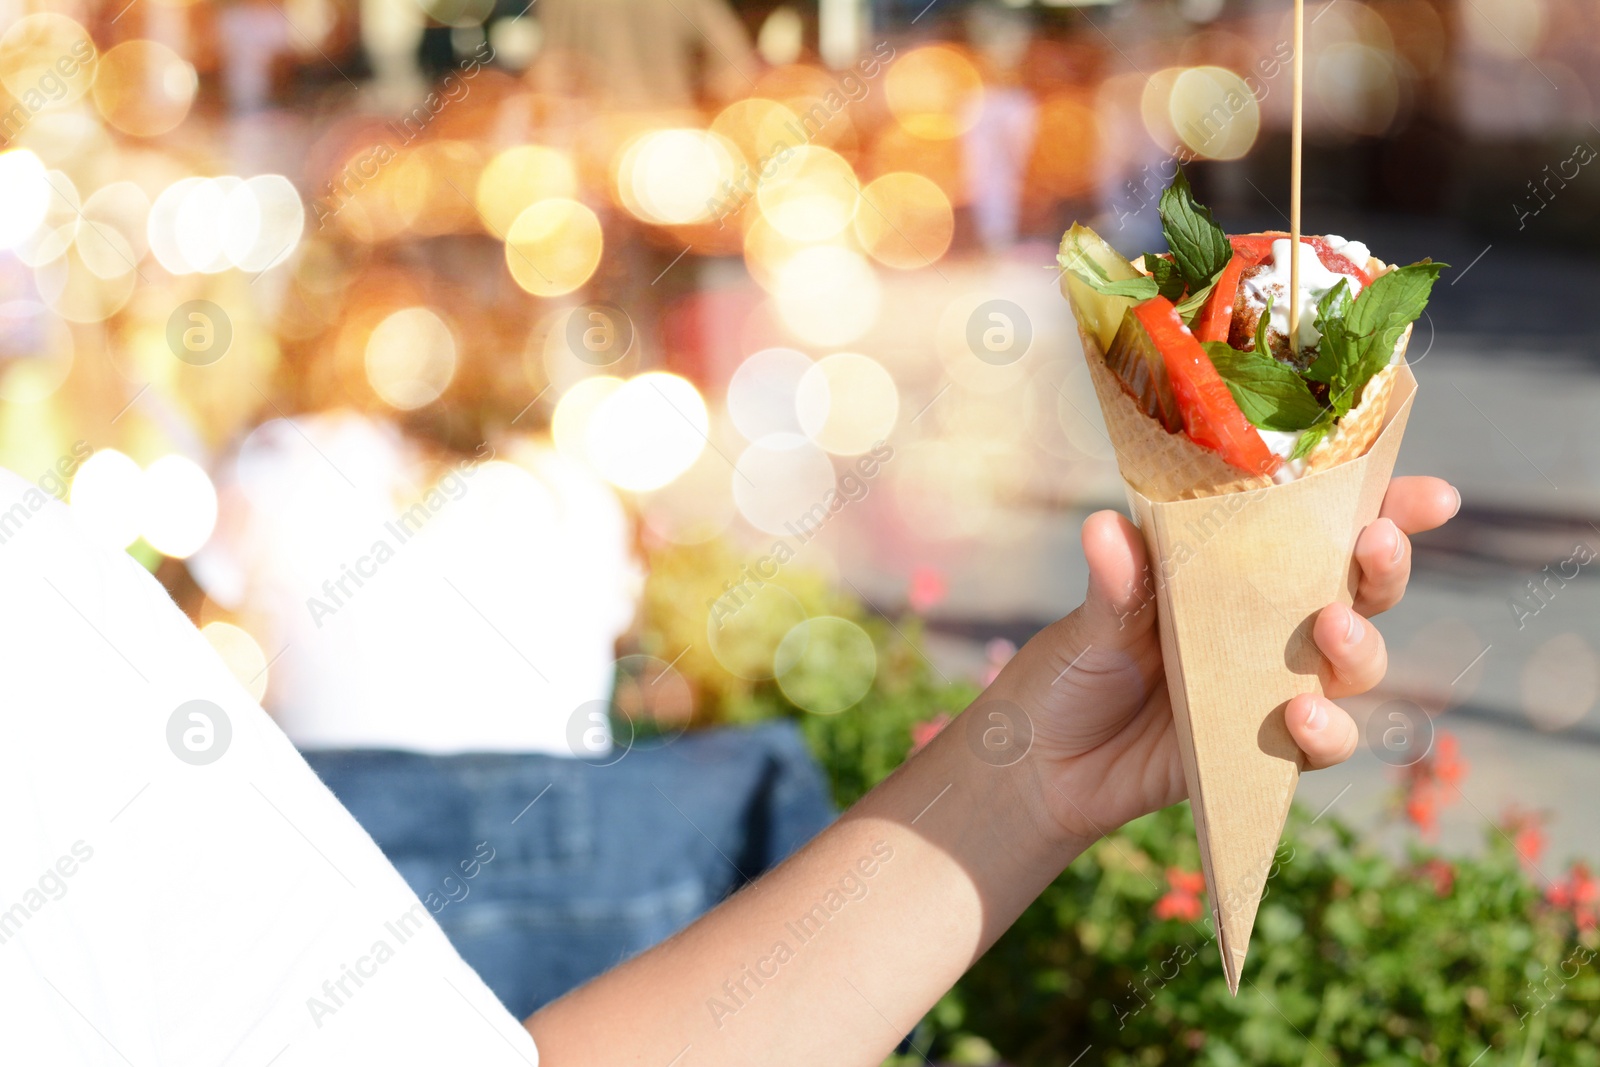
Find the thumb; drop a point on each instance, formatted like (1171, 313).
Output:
(1120, 602)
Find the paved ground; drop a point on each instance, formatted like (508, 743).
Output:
(1509, 373)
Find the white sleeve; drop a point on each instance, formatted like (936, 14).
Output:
(176, 886)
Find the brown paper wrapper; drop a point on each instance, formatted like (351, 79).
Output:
(1240, 569)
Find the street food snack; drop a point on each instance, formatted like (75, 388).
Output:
(1253, 460)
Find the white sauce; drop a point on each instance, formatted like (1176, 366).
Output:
(1315, 281)
(1281, 443)
(1354, 251)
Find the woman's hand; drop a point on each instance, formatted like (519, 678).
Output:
(1095, 690)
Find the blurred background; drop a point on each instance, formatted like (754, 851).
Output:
(752, 310)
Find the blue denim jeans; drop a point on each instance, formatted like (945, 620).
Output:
(545, 871)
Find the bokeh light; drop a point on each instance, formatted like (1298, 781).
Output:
(179, 506)
(674, 177)
(110, 233)
(25, 191)
(934, 92)
(810, 195)
(46, 60)
(574, 413)
(745, 628)
(1560, 682)
(647, 432)
(520, 177)
(1155, 107)
(762, 396)
(904, 220)
(826, 665)
(759, 128)
(780, 487)
(847, 403)
(554, 246)
(1214, 112)
(144, 88)
(1357, 86)
(828, 295)
(106, 496)
(208, 225)
(410, 358)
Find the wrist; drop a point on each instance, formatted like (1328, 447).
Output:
(991, 756)
(999, 731)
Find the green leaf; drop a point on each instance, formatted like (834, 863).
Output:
(1271, 395)
(1168, 281)
(1394, 299)
(1261, 328)
(1094, 276)
(1312, 437)
(1359, 336)
(1190, 305)
(1200, 248)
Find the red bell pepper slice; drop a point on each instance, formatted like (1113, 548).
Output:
(1217, 315)
(1211, 417)
(1259, 245)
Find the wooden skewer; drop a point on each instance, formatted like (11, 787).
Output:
(1294, 175)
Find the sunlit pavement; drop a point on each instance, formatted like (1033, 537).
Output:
(1509, 387)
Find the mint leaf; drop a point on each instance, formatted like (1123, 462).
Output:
(1312, 437)
(1200, 248)
(1168, 281)
(1271, 395)
(1261, 328)
(1359, 336)
(1190, 305)
(1094, 276)
(1383, 310)
(1394, 299)
(1334, 303)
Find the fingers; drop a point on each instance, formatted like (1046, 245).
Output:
(1420, 503)
(1323, 730)
(1355, 651)
(1384, 554)
(1120, 594)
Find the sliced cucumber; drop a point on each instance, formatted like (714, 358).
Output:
(1090, 266)
(1136, 361)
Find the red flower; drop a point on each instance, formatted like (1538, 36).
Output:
(1443, 875)
(1182, 881)
(1426, 779)
(1580, 895)
(927, 590)
(1183, 900)
(1527, 835)
(923, 732)
(1178, 906)
(1448, 766)
(1422, 807)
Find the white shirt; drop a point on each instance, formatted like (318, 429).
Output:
(470, 609)
(158, 909)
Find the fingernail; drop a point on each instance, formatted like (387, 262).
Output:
(1352, 626)
(1399, 545)
(1457, 492)
(1317, 717)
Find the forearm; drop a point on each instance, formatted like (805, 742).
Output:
(834, 956)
